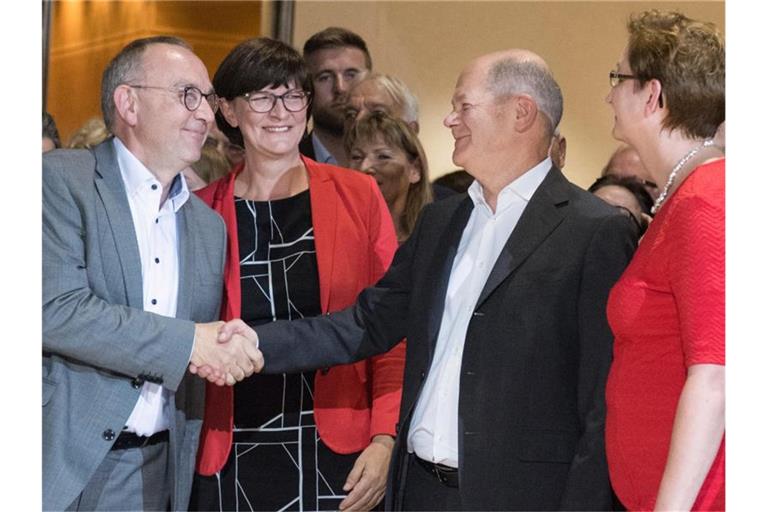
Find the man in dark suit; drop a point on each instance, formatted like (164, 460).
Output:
(337, 59)
(501, 294)
(132, 281)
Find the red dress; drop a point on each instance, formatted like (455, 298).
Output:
(667, 312)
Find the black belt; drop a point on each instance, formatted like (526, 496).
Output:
(130, 440)
(446, 474)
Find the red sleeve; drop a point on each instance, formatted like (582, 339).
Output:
(387, 369)
(697, 276)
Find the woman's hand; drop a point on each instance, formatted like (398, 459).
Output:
(368, 479)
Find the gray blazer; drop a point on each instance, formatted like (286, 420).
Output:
(99, 346)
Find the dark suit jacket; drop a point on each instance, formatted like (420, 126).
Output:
(305, 146)
(536, 354)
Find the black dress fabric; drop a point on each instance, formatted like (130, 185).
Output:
(277, 461)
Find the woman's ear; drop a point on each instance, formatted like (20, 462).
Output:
(655, 99)
(228, 111)
(413, 171)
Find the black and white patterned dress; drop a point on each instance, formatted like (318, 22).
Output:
(277, 461)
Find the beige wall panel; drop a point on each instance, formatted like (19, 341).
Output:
(428, 43)
(85, 35)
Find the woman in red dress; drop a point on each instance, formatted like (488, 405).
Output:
(665, 426)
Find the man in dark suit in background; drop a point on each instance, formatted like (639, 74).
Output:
(501, 294)
(337, 59)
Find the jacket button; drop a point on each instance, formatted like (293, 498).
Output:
(422, 375)
(137, 383)
(108, 435)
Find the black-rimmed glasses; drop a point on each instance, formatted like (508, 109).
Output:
(262, 102)
(616, 78)
(191, 97)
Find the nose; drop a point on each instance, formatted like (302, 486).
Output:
(205, 112)
(367, 166)
(450, 119)
(609, 97)
(278, 109)
(339, 84)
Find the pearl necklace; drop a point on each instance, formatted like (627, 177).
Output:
(672, 175)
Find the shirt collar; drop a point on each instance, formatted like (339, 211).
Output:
(322, 155)
(523, 187)
(137, 178)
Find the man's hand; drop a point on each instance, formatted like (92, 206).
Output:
(368, 479)
(225, 360)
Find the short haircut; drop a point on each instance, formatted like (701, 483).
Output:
(510, 75)
(400, 94)
(632, 184)
(50, 130)
(688, 58)
(337, 37)
(125, 67)
(253, 65)
(399, 134)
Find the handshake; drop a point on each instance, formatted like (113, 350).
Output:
(225, 353)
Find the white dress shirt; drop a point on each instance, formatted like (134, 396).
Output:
(155, 227)
(433, 435)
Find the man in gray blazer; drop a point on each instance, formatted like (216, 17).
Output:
(132, 279)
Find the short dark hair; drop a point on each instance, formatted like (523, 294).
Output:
(50, 130)
(688, 58)
(337, 37)
(124, 67)
(630, 183)
(251, 66)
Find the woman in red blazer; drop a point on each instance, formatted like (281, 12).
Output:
(304, 238)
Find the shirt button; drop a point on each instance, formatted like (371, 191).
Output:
(157, 220)
(157, 260)
(154, 187)
(153, 301)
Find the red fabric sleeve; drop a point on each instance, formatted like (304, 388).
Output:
(697, 275)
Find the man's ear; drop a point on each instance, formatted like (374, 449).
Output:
(228, 112)
(525, 111)
(126, 104)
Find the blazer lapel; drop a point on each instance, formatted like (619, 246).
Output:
(449, 242)
(111, 190)
(542, 215)
(187, 251)
(323, 199)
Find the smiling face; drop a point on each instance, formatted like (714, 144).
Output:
(334, 71)
(390, 167)
(166, 135)
(478, 122)
(271, 134)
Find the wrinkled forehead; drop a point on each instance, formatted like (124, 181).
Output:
(472, 82)
(172, 65)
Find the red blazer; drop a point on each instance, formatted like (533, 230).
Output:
(355, 242)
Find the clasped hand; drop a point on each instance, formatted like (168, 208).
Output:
(225, 353)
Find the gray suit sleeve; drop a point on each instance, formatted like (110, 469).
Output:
(79, 324)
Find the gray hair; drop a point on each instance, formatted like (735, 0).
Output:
(125, 67)
(400, 94)
(510, 76)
